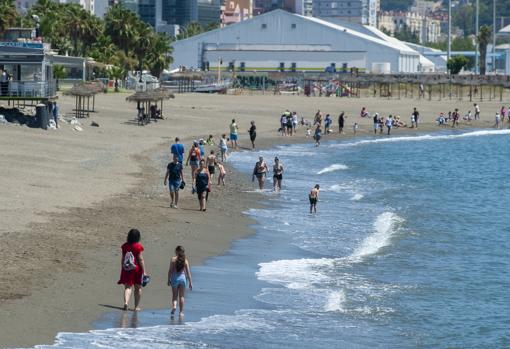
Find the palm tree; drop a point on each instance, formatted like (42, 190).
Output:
(8, 15)
(144, 37)
(59, 72)
(484, 37)
(159, 56)
(116, 73)
(120, 25)
(192, 29)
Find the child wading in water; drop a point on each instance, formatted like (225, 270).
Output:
(179, 275)
(314, 197)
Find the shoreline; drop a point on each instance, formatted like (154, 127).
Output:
(82, 285)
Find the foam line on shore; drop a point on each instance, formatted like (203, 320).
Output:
(333, 168)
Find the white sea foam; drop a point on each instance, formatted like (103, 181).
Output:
(357, 197)
(335, 301)
(332, 168)
(423, 138)
(385, 227)
(295, 273)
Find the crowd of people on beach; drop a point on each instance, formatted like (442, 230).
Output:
(203, 167)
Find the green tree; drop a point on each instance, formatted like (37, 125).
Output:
(192, 29)
(456, 63)
(8, 15)
(59, 72)
(159, 57)
(120, 25)
(117, 73)
(484, 37)
(144, 37)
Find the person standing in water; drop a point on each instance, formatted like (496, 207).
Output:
(314, 197)
(260, 171)
(317, 135)
(179, 275)
(132, 268)
(253, 134)
(277, 174)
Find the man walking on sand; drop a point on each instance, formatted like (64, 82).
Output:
(174, 178)
(314, 197)
(177, 149)
(233, 134)
(416, 115)
(477, 111)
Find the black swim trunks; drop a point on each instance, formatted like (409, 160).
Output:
(211, 169)
(278, 177)
(313, 201)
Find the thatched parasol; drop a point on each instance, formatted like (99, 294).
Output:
(145, 98)
(83, 91)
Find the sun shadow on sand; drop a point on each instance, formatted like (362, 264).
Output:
(110, 306)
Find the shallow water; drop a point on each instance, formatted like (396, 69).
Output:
(409, 249)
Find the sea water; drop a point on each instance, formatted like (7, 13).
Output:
(410, 248)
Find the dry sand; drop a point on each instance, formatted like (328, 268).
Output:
(67, 199)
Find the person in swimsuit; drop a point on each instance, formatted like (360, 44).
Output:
(314, 197)
(253, 134)
(223, 173)
(179, 275)
(211, 163)
(202, 184)
(233, 134)
(223, 147)
(277, 174)
(317, 135)
(193, 158)
(260, 171)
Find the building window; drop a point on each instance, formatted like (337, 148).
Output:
(282, 67)
(293, 67)
(263, 26)
(293, 25)
(242, 66)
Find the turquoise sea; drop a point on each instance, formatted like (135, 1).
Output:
(410, 248)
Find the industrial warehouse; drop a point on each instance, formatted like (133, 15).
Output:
(286, 42)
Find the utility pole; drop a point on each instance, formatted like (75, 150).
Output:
(449, 30)
(494, 36)
(477, 28)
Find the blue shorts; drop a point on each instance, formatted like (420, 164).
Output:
(174, 186)
(233, 136)
(194, 163)
(179, 280)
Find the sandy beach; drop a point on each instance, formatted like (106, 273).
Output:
(69, 197)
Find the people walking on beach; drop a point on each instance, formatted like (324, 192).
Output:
(294, 122)
(376, 122)
(317, 135)
(177, 149)
(193, 158)
(260, 171)
(317, 120)
(416, 115)
(179, 276)
(355, 128)
(201, 146)
(222, 173)
(477, 111)
(253, 133)
(313, 197)
(132, 268)
(174, 179)
(223, 147)
(327, 124)
(277, 174)
(389, 124)
(455, 117)
(211, 163)
(288, 123)
(498, 120)
(413, 120)
(341, 122)
(502, 112)
(233, 134)
(202, 185)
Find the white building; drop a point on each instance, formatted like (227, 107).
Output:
(356, 11)
(282, 41)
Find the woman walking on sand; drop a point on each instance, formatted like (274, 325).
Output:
(193, 158)
(179, 275)
(132, 268)
(202, 184)
(211, 163)
(223, 147)
(253, 134)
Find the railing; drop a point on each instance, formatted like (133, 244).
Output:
(29, 89)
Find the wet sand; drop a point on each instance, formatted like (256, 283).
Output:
(69, 197)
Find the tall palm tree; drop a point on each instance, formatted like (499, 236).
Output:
(144, 37)
(484, 38)
(159, 56)
(120, 25)
(8, 15)
(192, 29)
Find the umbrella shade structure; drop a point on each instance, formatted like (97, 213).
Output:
(83, 92)
(144, 99)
